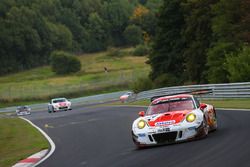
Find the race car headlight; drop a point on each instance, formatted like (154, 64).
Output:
(191, 117)
(141, 124)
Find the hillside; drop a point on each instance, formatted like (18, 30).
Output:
(41, 83)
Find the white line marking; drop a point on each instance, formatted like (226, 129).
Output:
(52, 144)
(233, 109)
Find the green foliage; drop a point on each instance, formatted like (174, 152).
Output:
(97, 37)
(145, 18)
(166, 80)
(238, 65)
(193, 38)
(215, 61)
(166, 56)
(141, 84)
(133, 35)
(31, 30)
(190, 38)
(64, 63)
(114, 52)
(225, 38)
(141, 50)
(198, 22)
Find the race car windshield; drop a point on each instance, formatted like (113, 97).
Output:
(59, 100)
(22, 107)
(169, 105)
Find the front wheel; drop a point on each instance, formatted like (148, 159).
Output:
(205, 128)
(53, 109)
(49, 111)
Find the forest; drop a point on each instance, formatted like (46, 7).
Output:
(190, 41)
(201, 41)
(32, 29)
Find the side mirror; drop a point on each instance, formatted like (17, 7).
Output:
(202, 106)
(141, 113)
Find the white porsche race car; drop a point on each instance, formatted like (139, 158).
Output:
(171, 119)
(59, 104)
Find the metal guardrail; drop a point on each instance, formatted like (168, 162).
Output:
(75, 102)
(219, 91)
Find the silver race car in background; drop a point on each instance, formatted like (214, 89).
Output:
(23, 110)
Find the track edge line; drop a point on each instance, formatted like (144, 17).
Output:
(52, 144)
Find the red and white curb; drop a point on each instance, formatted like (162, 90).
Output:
(39, 157)
(31, 160)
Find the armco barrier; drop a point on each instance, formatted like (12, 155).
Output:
(75, 102)
(219, 91)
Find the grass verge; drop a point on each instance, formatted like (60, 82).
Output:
(18, 140)
(223, 103)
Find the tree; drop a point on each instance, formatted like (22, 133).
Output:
(69, 18)
(64, 63)
(167, 50)
(116, 13)
(145, 19)
(225, 27)
(133, 35)
(97, 37)
(197, 34)
(60, 36)
(244, 24)
(238, 65)
(23, 41)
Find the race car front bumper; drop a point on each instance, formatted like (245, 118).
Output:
(23, 113)
(62, 108)
(165, 135)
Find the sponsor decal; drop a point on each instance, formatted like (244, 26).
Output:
(141, 134)
(192, 128)
(165, 123)
(62, 104)
(163, 130)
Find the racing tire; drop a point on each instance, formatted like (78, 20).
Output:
(49, 111)
(215, 125)
(205, 128)
(53, 109)
(202, 130)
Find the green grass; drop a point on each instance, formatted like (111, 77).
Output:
(41, 84)
(230, 103)
(18, 140)
(223, 103)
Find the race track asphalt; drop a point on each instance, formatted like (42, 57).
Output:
(101, 137)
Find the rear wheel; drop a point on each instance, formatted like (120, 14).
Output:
(214, 126)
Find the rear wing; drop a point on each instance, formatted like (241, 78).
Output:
(192, 92)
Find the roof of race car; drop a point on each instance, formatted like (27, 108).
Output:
(164, 98)
(58, 98)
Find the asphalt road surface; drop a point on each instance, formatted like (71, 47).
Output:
(101, 137)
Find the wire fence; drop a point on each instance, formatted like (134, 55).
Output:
(102, 98)
(77, 88)
(219, 91)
